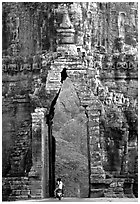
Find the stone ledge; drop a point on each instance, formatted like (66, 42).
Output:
(96, 176)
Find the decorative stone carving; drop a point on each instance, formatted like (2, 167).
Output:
(14, 27)
(12, 89)
(66, 32)
(121, 25)
(14, 34)
(37, 118)
(85, 76)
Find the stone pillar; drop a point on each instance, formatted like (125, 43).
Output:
(103, 146)
(51, 151)
(45, 158)
(128, 183)
(96, 169)
(121, 25)
(128, 187)
(124, 166)
(17, 131)
(80, 39)
(39, 174)
(113, 26)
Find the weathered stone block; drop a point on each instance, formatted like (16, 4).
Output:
(94, 141)
(95, 155)
(96, 193)
(16, 192)
(32, 42)
(95, 163)
(36, 191)
(97, 176)
(94, 128)
(93, 123)
(25, 192)
(97, 170)
(95, 146)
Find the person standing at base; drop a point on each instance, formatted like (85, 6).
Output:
(59, 185)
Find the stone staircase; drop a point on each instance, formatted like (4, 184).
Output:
(112, 188)
(15, 188)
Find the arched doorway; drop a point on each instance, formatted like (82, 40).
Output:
(68, 148)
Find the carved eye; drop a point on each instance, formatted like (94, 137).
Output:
(125, 65)
(131, 66)
(119, 65)
(78, 49)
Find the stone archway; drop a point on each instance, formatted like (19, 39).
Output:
(70, 131)
(63, 67)
(90, 107)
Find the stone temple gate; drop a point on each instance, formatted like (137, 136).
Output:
(40, 137)
(66, 70)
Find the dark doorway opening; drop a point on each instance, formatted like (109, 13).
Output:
(52, 147)
(52, 150)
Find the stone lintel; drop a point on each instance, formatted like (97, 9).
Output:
(49, 89)
(97, 169)
(42, 110)
(66, 30)
(79, 68)
(102, 181)
(68, 48)
(96, 176)
(72, 72)
(69, 64)
(53, 82)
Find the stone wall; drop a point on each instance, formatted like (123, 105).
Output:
(102, 67)
(16, 137)
(15, 188)
(38, 23)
